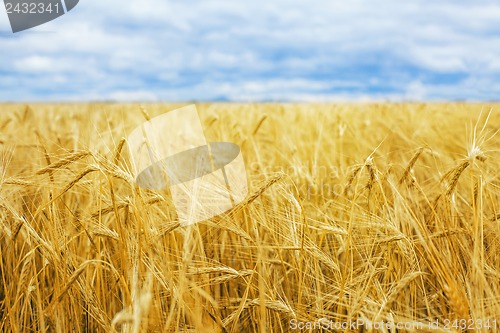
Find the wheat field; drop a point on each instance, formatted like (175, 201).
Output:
(360, 217)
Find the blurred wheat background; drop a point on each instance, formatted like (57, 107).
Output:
(373, 212)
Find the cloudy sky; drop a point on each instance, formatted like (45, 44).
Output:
(260, 50)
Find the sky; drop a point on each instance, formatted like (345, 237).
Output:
(255, 51)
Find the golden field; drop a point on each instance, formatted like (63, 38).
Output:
(362, 215)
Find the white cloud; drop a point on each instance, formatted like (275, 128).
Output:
(415, 91)
(137, 95)
(34, 64)
(153, 49)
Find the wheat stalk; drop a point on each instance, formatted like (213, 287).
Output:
(63, 162)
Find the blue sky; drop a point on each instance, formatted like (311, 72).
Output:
(250, 51)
